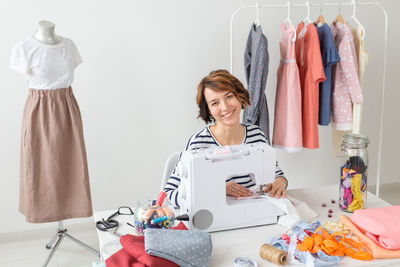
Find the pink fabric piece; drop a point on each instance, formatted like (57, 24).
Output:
(288, 121)
(380, 224)
(346, 86)
(376, 251)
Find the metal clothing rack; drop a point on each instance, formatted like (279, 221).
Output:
(352, 3)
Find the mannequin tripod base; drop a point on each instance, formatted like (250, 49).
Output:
(58, 237)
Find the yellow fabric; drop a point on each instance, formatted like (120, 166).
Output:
(358, 201)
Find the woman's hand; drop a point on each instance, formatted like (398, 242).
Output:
(236, 190)
(277, 189)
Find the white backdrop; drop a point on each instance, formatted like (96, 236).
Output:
(136, 89)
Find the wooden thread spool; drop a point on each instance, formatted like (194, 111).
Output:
(273, 254)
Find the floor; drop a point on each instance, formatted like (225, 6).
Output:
(28, 249)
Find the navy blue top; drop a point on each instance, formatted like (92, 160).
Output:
(330, 57)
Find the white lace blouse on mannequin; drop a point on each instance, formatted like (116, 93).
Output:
(46, 66)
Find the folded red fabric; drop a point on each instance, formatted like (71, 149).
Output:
(180, 226)
(123, 259)
(133, 254)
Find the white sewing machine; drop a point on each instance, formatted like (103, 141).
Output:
(203, 193)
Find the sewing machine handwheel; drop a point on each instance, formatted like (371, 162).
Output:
(202, 219)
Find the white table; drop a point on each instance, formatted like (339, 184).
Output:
(228, 245)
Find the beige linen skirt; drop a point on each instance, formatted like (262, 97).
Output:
(54, 179)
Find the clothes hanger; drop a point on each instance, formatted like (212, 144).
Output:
(320, 20)
(257, 21)
(288, 22)
(339, 17)
(354, 18)
(307, 19)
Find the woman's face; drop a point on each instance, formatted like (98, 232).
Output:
(223, 106)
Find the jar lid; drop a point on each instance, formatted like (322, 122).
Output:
(355, 139)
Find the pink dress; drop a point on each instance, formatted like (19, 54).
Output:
(346, 86)
(288, 122)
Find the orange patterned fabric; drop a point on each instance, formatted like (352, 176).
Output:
(335, 244)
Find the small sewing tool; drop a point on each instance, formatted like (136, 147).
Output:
(245, 262)
(110, 224)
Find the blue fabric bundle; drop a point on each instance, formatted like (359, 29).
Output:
(185, 248)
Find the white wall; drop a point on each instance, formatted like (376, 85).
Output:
(136, 89)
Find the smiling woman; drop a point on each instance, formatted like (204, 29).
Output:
(219, 81)
(220, 98)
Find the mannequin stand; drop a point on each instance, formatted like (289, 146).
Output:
(59, 236)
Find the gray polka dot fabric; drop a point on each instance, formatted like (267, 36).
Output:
(186, 248)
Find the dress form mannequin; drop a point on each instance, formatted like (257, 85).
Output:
(45, 33)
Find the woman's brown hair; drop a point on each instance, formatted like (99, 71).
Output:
(219, 80)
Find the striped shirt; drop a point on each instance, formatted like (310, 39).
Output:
(205, 139)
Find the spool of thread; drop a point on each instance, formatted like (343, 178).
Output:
(160, 212)
(159, 219)
(167, 211)
(149, 213)
(273, 254)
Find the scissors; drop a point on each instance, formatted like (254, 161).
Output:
(111, 225)
(108, 226)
